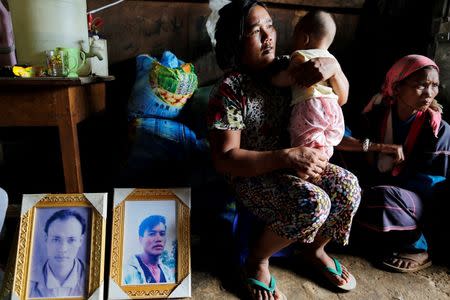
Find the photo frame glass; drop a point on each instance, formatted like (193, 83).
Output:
(151, 228)
(150, 255)
(60, 243)
(61, 247)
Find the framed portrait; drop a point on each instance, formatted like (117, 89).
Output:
(150, 246)
(61, 246)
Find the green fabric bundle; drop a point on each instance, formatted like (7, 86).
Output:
(173, 85)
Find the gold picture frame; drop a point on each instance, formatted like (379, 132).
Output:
(131, 208)
(37, 208)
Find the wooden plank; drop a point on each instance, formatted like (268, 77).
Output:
(200, 49)
(321, 3)
(315, 3)
(345, 34)
(285, 21)
(52, 81)
(36, 107)
(151, 27)
(55, 81)
(147, 27)
(67, 111)
(86, 100)
(96, 98)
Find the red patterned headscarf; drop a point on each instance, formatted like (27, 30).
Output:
(402, 69)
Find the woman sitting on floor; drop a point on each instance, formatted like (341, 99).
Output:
(402, 125)
(247, 117)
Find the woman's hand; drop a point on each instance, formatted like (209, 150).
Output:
(308, 162)
(230, 159)
(314, 70)
(349, 143)
(395, 150)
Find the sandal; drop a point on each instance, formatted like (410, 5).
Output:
(350, 285)
(412, 258)
(261, 285)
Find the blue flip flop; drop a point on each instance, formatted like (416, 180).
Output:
(337, 270)
(269, 288)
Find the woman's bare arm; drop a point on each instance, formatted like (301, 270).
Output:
(282, 79)
(349, 143)
(230, 159)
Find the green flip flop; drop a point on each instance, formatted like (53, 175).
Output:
(337, 270)
(269, 288)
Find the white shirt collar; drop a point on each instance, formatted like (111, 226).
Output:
(71, 280)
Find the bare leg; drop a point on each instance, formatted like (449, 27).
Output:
(316, 255)
(257, 265)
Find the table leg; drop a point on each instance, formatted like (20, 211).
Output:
(68, 136)
(71, 158)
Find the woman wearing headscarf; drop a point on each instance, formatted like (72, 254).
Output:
(247, 117)
(409, 144)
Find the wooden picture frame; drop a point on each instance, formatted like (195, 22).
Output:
(150, 225)
(61, 232)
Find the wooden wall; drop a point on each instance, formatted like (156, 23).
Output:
(135, 27)
(371, 35)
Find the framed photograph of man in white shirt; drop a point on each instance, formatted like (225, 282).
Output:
(60, 253)
(150, 251)
(59, 259)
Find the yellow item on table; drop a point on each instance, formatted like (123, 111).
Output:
(26, 72)
(22, 71)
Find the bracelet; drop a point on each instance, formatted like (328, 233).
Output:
(365, 145)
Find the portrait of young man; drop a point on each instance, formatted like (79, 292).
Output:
(63, 273)
(146, 267)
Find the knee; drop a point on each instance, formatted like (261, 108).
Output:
(349, 179)
(378, 195)
(317, 207)
(350, 191)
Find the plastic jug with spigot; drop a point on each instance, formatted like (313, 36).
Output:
(41, 25)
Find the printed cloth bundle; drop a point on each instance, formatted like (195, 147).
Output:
(162, 87)
(173, 85)
(156, 131)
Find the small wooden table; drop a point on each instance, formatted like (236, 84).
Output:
(53, 101)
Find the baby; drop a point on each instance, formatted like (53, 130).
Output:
(316, 119)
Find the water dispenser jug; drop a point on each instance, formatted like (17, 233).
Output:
(41, 25)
